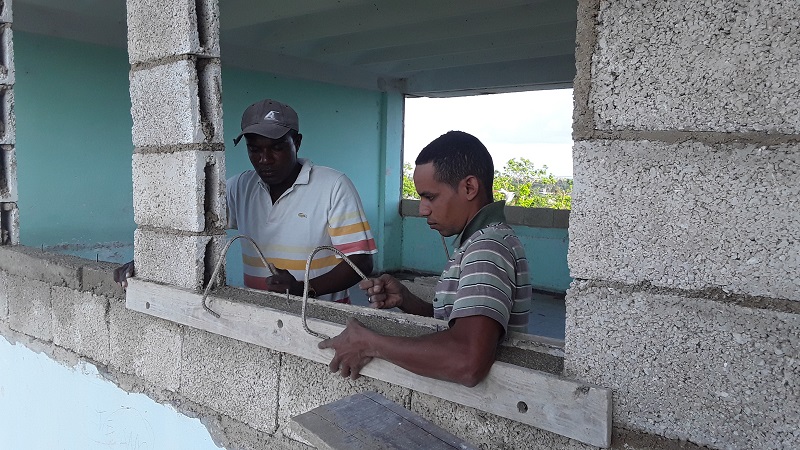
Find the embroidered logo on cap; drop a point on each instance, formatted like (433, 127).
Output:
(271, 115)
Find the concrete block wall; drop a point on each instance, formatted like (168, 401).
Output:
(9, 213)
(684, 237)
(244, 394)
(179, 161)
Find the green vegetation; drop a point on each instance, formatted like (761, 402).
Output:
(520, 183)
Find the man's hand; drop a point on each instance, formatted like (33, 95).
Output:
(123, 272)
(281, 280)
(384, 292)
(350, 349)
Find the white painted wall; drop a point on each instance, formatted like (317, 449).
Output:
(45, 405)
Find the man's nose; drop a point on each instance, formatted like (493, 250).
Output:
(264, 157)
(424, 209)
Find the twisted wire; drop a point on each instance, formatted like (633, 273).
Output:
(305, 284)
(219, 265)
(264, 260)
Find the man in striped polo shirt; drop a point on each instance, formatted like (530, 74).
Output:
(483, 292)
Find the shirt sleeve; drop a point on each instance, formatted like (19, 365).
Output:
(347, 222)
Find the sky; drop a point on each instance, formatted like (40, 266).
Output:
(536, 125)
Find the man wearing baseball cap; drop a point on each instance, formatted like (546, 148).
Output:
(290, 206)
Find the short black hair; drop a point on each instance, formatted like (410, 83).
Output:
(456, 155)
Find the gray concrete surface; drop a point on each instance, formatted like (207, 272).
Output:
(175, 259)
(7, 66)
(727, 66)
(170, 190)
(29, 307)
(713, 373)
(8, 188)
(146, 347)
(688, 215)
(165, 105)
(230, 376)
(9, 131)
(158, 29)
(80, 323)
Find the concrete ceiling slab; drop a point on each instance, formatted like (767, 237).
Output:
(418, 47)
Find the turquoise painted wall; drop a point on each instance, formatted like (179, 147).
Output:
(74, 157)
(73, 143)
(546, 249)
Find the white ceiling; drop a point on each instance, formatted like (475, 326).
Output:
(420, 47)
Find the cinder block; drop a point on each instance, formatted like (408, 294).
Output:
(687, 216)
(6, 13)
(306, 384)
(9, 223)
(29, 309)
(209, 77)
(80, 323)
(145, 346)
(713, 373)
(158, 29)
(3, 297)
(98, 278)
(485, 430)
(7, 72)
(232, 377)
(175, 259)
(8, 132)
(28, 262)
(166, 107)
(169, 190)
(8, 174)
(697, 66)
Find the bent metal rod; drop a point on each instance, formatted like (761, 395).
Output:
(270, 267)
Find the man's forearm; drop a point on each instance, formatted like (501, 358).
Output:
(463, 354)
(415, 305)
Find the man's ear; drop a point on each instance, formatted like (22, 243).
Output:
(471, 186)
(298, 138)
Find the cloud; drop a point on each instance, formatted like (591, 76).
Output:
(535, 122)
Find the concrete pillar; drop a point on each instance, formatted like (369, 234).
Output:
(9, 213)
(179, 159)
(684, 232)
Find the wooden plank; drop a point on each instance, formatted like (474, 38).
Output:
(370, 420)
(570, 408)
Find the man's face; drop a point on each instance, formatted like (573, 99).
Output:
(273, 159)
(443, 206)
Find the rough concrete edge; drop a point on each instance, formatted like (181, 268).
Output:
(713, 295)
(194, 147)
(89, 276)
(585, 44)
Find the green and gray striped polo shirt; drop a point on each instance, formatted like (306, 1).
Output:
(487, 274)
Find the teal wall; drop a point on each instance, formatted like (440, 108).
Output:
(73, 142)
(74, 157)
(546, 249)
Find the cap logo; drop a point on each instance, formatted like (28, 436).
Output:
(271, 116)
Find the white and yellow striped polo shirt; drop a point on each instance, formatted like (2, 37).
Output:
(321, 208)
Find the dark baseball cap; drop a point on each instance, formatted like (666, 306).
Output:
(268, 118)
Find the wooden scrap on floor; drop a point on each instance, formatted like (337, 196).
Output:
(370, 421)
